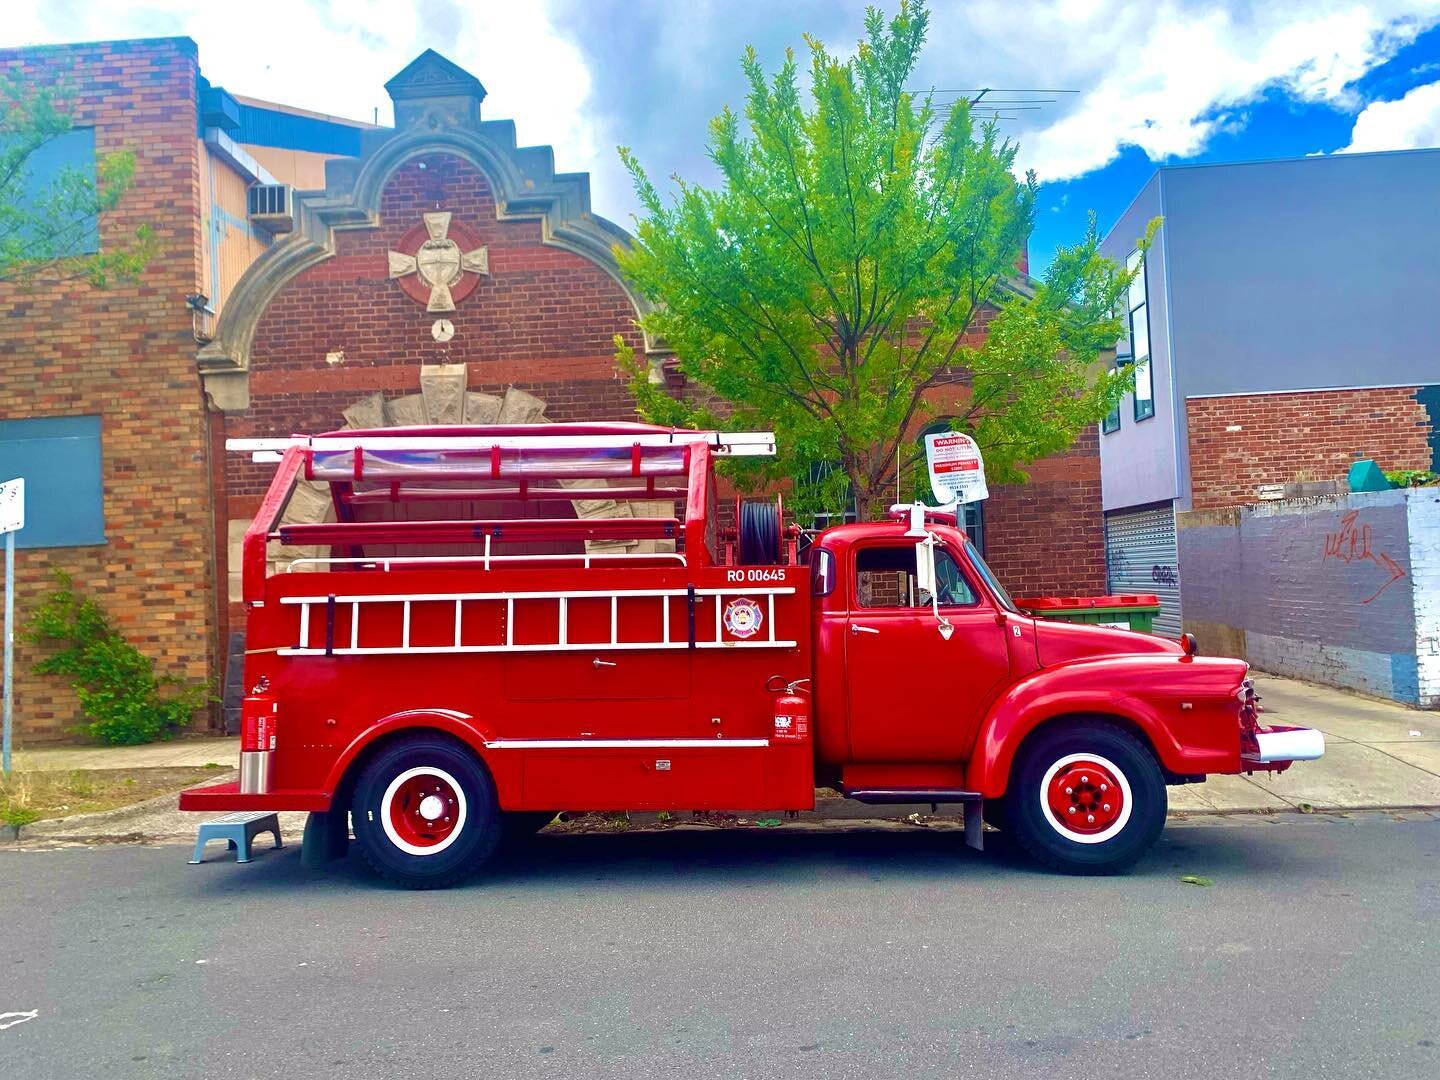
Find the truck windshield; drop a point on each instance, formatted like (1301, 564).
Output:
(990, 579)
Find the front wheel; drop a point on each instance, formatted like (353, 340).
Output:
(1086, 798)
(425, 813)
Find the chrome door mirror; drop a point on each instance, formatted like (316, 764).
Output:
(925, 565)
(925, 581)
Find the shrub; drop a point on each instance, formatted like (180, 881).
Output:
(125, 702)
(1412, 478)
(15, 808)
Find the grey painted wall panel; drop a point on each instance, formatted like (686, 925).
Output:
(1290, 275)
(1323, 591)
(1137, 462)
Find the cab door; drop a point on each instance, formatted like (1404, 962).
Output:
(914, 695)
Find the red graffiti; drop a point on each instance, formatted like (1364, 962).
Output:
(1349, 544)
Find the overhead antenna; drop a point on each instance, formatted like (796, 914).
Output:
(995, 103)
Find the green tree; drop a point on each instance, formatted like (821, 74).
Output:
(840, 273)
(45, 223)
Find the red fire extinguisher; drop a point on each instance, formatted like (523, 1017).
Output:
(792, 712)
(257, 738)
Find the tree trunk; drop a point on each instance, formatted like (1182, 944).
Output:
(868, 506)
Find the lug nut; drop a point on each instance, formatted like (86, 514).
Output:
(1104, 787)
(1072, 810)
(1107, 808)
(1090, 818)
(1069, 791)
(1084, 779)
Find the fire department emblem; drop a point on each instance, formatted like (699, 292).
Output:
(743, 618)
(441, 271)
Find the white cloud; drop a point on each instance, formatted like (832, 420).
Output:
(1405, 124)
(334, 56)
(583, 75)
(1164, 77)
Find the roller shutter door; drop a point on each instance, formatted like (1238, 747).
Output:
(1141, 557)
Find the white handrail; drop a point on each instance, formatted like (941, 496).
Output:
(384, 562)
(562, 643)
(724, 444)
(319, 600)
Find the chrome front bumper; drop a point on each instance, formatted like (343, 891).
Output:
(1286, 744)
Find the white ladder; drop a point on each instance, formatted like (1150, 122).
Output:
(329, 606)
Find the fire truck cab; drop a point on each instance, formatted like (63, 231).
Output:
(495, 624)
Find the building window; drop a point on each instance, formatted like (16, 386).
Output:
(59, 457)
(54, 170)
(975, 525)
(1112, 418)
(1111, 421)
(1139, 325)
(843, 511)
(1124, 354)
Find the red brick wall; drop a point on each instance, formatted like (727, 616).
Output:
(1047, 537)
(1290, 438)
(128, 354)
(543, 320)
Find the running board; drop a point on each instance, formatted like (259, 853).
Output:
(972, 801)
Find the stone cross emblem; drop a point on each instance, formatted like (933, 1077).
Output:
(439, 262)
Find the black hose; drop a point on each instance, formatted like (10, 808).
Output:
(759, 533)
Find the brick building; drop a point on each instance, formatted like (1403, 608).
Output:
(432, 272)
(1283, 327)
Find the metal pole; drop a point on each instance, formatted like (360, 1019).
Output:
(9, 643)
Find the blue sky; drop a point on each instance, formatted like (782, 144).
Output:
(1159, 81)
(1274, 125)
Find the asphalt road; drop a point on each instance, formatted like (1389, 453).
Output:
(1315, 953)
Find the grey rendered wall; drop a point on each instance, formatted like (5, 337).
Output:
(1138, 462)
(1307, 274)
(1324, 590)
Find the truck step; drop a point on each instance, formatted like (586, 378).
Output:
(973, 801)
(881, 796)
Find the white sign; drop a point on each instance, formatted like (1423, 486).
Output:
(12, 505)
(957, 473)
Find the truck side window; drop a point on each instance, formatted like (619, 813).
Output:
(885, 578)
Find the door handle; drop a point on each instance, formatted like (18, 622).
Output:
(856, 628)
(603, 663)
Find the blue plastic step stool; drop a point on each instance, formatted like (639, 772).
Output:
(237, 830)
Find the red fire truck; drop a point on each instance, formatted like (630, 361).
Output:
(497, 623)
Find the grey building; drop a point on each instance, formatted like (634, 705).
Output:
(1285, 323)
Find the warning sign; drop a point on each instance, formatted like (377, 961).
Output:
(957, 472)
(12, 505)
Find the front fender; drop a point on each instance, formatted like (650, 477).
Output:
(474, 733)
(1185, 707)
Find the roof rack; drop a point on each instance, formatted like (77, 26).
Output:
(482, 440)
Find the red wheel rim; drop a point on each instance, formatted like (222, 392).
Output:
(423, 811)
(1085, 797)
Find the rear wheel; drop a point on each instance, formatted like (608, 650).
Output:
(424, 812)
(1086, 798)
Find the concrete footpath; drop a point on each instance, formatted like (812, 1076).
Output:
(1377, 756)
